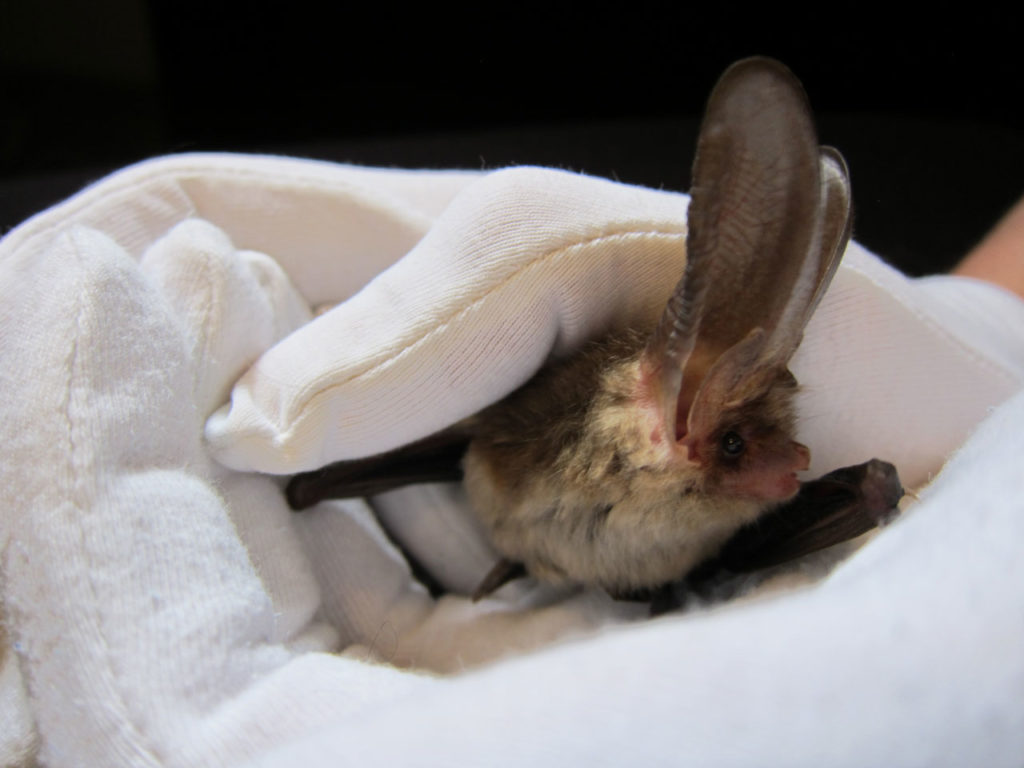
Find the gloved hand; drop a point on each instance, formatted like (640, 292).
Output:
(166, 607)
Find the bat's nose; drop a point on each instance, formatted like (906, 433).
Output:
(803, 456)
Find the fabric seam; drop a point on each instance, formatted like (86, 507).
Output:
(441, 324)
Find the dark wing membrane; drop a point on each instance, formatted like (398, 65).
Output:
(835, 508)
(830, 510)
(437, 458)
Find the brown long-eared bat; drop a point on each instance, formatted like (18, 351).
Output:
(635, 460)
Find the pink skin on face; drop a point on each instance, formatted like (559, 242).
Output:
(771, 477)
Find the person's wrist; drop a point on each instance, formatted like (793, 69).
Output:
(999, 257)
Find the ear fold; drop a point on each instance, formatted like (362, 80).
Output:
(837, 219)
(768, 222)
(733, 379)
(835, 222)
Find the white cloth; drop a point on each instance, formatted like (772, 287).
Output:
(164, 607)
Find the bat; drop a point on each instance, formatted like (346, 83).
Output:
(635, 460)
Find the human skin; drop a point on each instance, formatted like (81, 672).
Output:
(999, 257)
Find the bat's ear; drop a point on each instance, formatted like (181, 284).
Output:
(768, 222)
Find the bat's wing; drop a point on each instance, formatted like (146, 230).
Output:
(835, 508)
(433, 459)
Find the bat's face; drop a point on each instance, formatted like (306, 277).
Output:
(745, 449)
(754, 460)
(749, 451)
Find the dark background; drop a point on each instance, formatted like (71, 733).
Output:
(927, 111)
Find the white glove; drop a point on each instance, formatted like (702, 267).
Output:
(165, 607)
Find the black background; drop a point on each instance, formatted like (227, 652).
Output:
(927, 110)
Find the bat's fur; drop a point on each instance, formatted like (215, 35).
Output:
(573, 476)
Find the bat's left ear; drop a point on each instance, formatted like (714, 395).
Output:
(768, 222)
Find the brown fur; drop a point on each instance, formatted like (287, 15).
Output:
(565, 476)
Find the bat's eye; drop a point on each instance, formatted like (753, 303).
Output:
(732, 444)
